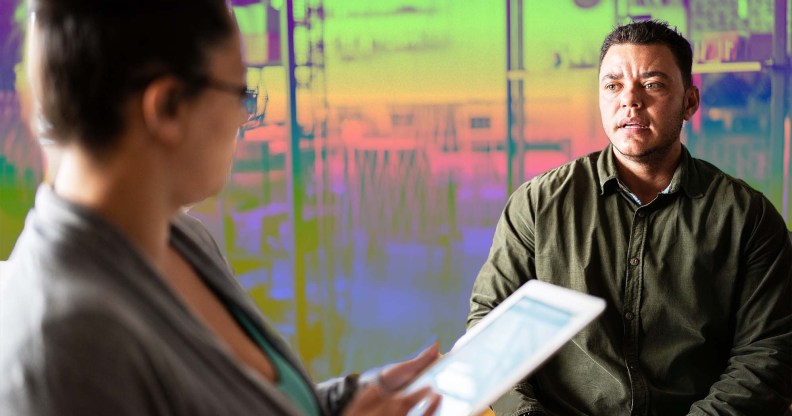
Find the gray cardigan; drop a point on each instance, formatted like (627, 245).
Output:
(88, 327)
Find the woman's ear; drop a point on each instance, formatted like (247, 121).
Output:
(161, 110)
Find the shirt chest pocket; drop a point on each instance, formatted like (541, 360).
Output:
(590, 266)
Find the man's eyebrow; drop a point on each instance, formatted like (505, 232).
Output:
(613, 76)
(654, 74)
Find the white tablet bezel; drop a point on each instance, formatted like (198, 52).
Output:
(583, 307)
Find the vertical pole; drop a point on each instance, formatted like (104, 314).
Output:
(786, 207)
(779, 107)
(509, 109)
(519, 116)
(782, 29)
(780, 35)
(295, 181)
(515, 99)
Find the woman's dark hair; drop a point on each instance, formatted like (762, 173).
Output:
(96, 53)
(653, 32)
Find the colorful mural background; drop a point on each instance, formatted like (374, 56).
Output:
(360, 235)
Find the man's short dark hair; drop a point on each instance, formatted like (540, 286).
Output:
(96, 53)
(654, 32)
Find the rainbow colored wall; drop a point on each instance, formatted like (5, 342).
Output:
(367, 251)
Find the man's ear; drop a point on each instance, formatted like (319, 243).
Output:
(161, 109)
(692, 101)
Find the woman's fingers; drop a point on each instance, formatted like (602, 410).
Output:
(398, 375)
(424, 394)
(434, 403)
(373, 400)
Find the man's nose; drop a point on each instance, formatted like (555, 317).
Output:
(631, 97)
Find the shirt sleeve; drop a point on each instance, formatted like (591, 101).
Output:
(335, 394)
(509, 265)
(758, 377)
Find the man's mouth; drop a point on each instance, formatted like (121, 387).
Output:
(633, 123)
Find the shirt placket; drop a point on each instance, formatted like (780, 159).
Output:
(631, 313)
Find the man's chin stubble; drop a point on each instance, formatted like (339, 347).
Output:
(650, 156)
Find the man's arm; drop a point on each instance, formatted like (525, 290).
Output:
(758, 376)
(509, 265)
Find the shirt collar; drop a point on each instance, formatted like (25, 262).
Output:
(687, 177)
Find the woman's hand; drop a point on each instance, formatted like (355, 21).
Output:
(397, 376)
(373, 400)
(384, 397)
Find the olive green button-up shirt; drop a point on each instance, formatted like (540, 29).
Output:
(698, 284)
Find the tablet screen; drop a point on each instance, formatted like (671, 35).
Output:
(477, 366)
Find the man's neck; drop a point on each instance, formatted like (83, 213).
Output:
(647, 179)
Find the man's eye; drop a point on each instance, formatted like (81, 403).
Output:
(652, 85)
(610, 87)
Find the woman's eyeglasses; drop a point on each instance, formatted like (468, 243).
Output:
(248, 97)
(245, 94)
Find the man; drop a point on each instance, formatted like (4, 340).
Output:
(695, 265)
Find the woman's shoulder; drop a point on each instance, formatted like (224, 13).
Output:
(193, 228)
(70, 355)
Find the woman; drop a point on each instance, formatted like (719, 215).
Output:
(114, 301)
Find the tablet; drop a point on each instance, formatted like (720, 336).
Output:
(512, 341)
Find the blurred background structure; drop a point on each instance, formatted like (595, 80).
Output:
(386, 137)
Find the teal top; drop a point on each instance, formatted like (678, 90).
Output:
(289, 381)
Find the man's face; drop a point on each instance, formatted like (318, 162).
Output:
(643, 101)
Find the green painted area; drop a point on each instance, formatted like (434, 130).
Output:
(252, 18)
(17, 191)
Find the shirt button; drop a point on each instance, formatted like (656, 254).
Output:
(628, 316)
(634, 261)
(641, 214)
